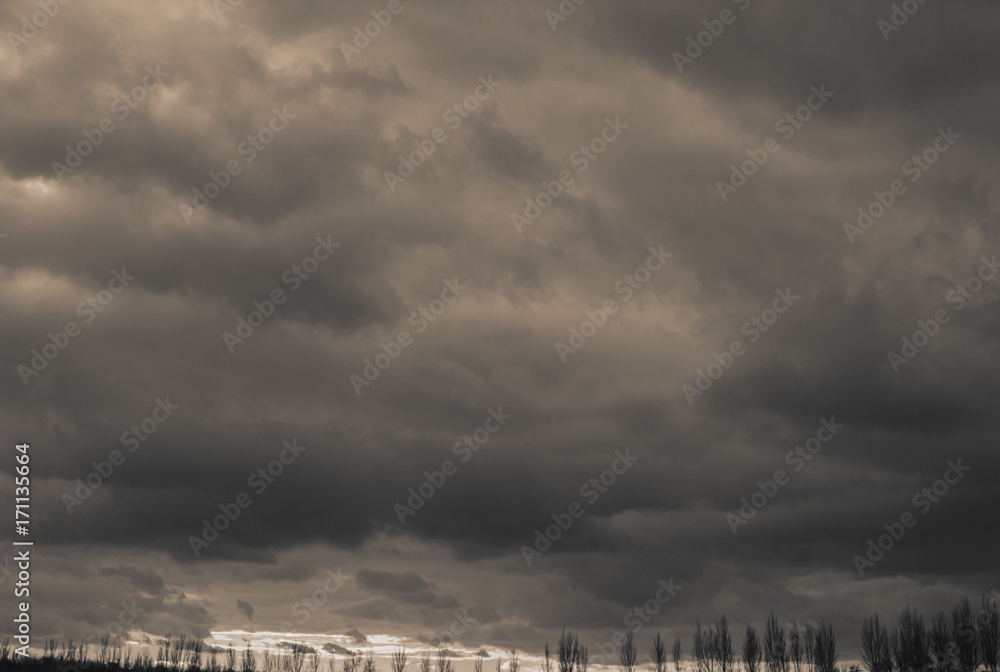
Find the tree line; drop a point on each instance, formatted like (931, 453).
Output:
(962, 640)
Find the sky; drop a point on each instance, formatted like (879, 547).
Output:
(429, 323)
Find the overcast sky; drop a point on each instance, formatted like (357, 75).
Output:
(168, 169)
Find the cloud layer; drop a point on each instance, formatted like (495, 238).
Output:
(203, 191)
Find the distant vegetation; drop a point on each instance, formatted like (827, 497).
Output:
(963, 640)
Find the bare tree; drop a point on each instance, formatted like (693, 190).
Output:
(547, 660)
(825, 649)
(677, 654)
(568, 651)
(398, 660)
(177, 653)
(269, 662)
(751, 651)
(297, 658)
(213, 660)
(875, 645)
(909, 642)
(249, 663)
(699, 649)
(353, 662)
(194, 654)
(713, 654)
(775, 650)
(658, 654)
(809, 646)
(723, 645)
(444, 662)
(964, 636)
(425, 662)
(627, 654)
(478, 664)
(795, 648)
(941, 649)
(105, 646)
(513, 664)
(988, 622)
(582, 659)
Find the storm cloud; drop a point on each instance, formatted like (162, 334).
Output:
(507, 312)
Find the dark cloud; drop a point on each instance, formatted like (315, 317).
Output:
(147, 582)
(245, 608)
(387, 581)
(337, 649)
(345, 537)
(358, 637)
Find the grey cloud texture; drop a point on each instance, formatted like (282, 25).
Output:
(322, 175)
